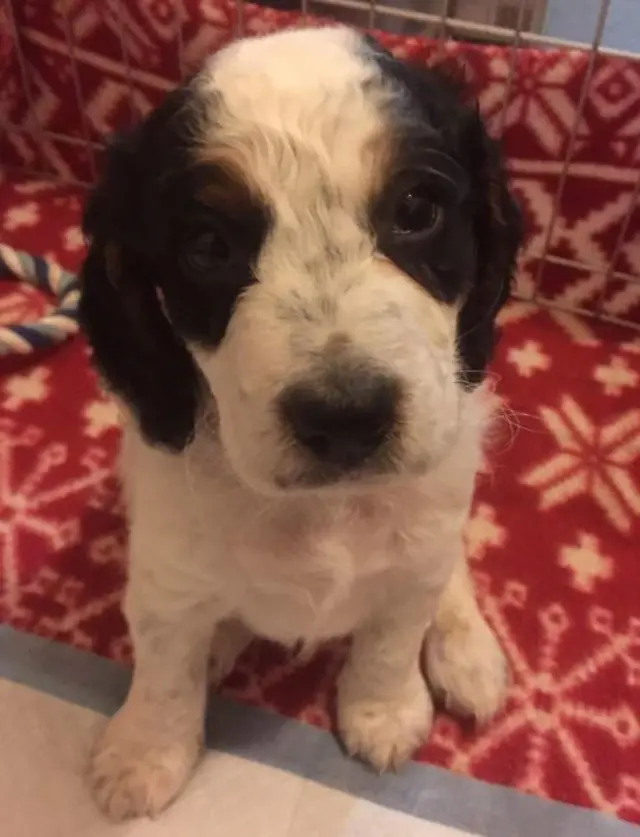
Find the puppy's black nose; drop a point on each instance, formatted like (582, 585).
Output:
(344, 421)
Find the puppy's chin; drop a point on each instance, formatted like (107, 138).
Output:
(326, 480)
(350, 483)
(308, 479)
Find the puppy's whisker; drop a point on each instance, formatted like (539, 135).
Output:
(189, 478)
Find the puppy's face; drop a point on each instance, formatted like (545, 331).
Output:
(313, 238)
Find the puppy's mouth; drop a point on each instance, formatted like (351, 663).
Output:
(379, 472)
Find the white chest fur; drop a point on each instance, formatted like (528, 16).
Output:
(301, 568)
(311, 573)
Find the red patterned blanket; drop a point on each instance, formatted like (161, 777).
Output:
(554, 533)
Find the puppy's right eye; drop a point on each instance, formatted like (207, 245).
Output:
(415, 214)
(207, 251)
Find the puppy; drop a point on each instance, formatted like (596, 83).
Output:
(294, 271)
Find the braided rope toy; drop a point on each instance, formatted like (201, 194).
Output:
(56, 326)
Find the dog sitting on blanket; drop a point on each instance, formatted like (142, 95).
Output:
(295, 267)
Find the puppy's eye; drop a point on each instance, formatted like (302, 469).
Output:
(415, 214)
(209, 250)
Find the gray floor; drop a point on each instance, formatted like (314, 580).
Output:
(425, 792)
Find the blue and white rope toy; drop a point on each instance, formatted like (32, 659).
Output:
(56, 326)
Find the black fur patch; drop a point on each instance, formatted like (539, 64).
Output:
(469, 259)
(160, 247)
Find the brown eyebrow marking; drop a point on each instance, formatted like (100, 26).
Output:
(230, 182)
(223, 187)
(377, 157)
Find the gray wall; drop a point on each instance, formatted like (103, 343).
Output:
(576, 21)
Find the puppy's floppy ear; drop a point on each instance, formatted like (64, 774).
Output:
(498, 228)
(444, 95)
(496, 220)
(135, 347)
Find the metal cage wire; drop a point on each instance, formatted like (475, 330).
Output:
(441, 23)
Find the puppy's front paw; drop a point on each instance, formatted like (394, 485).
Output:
(467, 668)
(229, 641)
(130, 777)
(386, 733)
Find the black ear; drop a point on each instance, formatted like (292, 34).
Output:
(444, 96)
(135, 347)
(498, 228)
(496, 220)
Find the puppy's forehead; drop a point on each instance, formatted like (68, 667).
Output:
(291, 62)
(301, 103)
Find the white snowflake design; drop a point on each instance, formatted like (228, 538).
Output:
(592, 460)
(547, 703)
(28, 503)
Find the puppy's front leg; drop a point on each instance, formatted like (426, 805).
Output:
(150, 747)
(384, 708)
(463, 659)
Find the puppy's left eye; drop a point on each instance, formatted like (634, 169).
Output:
(207, 251)
(415, 214)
